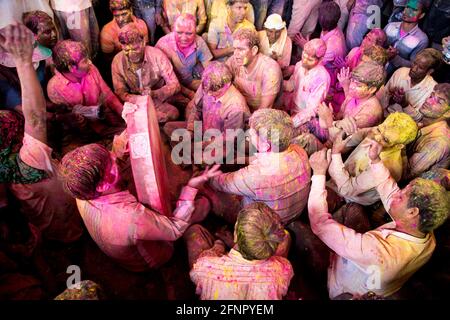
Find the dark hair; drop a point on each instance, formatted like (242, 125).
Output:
(433, 56)
(68, 53)
(329, 15)
(32, 20)
(258, 231)
(83, 169)
(275, 125)
(231, 2)
(433, 203)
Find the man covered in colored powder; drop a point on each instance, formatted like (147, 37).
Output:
(217, 9)
(361, 108)
(278, 175)
(353, 180)
(221, 29)
(309, 84)
(394, 251)
(255, 268)
(405, 38)
(143, 70)
(188, 53)
(374, 37)
(274, 41)
(138, 238)
(78, 85)
(174, 8)
(408, 88)
(256, 76)
(432, 147)
(122, 16)
(219, 106)
(28, 169)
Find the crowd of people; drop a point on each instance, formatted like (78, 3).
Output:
(342, 109)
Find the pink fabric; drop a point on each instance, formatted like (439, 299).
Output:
(367, 113)
(45, 203)
(354, 57)
(280, 180)
(336, 47)
(92, 90)
(136, 237)
(231, 277)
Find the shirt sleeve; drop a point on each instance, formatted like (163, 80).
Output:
(285, 59)
(119, 81)
(153, 226)
(370, 115)
(36, 154)
(386, 185)
(204, 54)
(423, 159)
(111, 100)
(213, 34)
(345, 242)
(347, 185)
(241, 182)
(172, 85)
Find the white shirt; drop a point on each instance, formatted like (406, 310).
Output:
(71, 5)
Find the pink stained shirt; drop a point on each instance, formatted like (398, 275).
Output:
(92, 90)
(354, 57)
(232, 277)
(280, 180)
(336, 47)
(310, 88)
(264, 80)
(136, 237)
(357, 258)
(109, 36)
(368, 113)
(45, 204)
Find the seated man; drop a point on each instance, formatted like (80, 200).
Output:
(381, 260)
(138, 238)
(374, 37)
(309, 83)
(432, 146)
(220, 32)
(274, 42)
(279, 175)
(255, 268)
(28, 170)
(174, 8)
(140, 70)
(122, 15)
(188, 53)
(218, 105)
(78, 83)
(361, 108)
(256, 76)
(405, 38)
(352, 180)
(408, 88)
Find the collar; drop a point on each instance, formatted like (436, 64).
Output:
(122, 197)
(236, 255)
(413, 30)
(389, 229)
(432, 127)
(189, 51)
(329, 34)
(133, 18)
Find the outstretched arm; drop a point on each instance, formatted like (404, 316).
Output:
(17, 40)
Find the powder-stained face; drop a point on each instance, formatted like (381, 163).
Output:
(135, 51)
(243, 54)
(123, 17)
(412, 12)
(399, 205)
(358, 90)
(184, 33)
(419, 68)
(273, 35)
(309, 59)
(47, 35)
(386, 136)
(435, 106)
(238, 11)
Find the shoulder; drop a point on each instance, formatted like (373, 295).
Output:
(107, 28)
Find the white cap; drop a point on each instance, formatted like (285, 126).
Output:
(274, 21)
